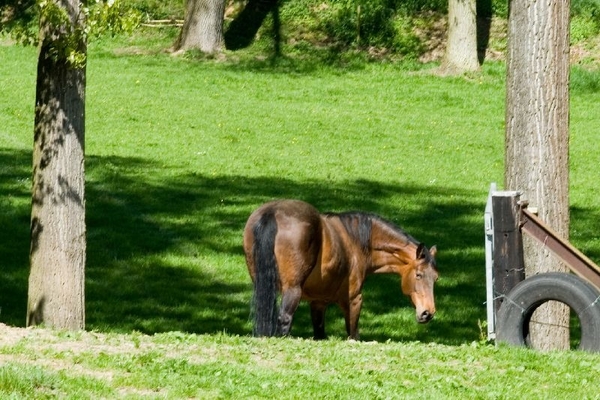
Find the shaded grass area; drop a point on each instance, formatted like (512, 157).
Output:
(15, 186)
(167, 256)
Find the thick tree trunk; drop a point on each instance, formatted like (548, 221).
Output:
(461, 46)
(203, 26)
(537, 138)
(58, 243)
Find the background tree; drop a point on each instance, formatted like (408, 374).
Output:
(18, 18)
(245, 26)
(202, 27)
(537, 137)
(461, 45)
(484, 13)
(58, 242)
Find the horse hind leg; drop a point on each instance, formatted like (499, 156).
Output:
(290, 298)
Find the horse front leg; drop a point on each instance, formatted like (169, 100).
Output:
(290, 298)
(351, 315)
(317, 314)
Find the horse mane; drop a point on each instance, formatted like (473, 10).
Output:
(359, 225)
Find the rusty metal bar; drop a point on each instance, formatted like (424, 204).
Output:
(573, 258)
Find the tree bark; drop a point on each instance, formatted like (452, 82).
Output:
(203, 26)
(58, 243)
(461, 46)
(537, 139)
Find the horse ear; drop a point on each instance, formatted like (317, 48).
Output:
(433, 251)
(421, 251)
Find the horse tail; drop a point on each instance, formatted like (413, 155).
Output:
(266, 281)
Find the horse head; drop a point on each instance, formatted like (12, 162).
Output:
(418, 279)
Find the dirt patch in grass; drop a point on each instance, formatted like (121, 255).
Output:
(62, 351)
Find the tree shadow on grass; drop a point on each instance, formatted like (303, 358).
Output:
(164, 250)
(15, 211)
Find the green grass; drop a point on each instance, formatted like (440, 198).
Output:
(175, 365)
(180, 151)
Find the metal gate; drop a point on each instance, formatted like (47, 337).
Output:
(506, 219)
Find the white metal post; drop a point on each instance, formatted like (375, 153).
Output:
(489, 262)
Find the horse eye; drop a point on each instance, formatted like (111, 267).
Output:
(419, 275)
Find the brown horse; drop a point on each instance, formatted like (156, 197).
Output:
(324, 259)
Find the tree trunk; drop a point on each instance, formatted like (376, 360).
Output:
(58, 244)
(537, 138)
(461, 46)
(484, 14)
(203, 26)
(245, 26)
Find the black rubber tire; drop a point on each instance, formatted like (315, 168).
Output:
(512, 320)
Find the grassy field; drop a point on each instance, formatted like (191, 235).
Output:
(39, 364)
(181, 150)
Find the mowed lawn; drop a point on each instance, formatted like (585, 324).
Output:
(181, 150)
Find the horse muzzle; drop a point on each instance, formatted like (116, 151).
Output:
(425, 316)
